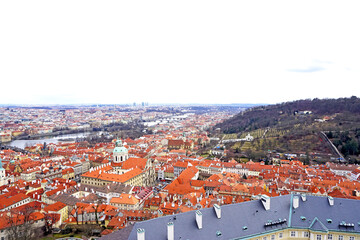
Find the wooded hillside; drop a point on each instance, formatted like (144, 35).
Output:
(291, 113)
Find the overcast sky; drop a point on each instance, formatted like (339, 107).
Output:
(184, 51)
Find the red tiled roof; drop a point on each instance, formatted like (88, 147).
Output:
(55, 207)
(134, 163)
(6, 202)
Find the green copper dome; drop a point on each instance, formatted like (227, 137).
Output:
(119, 148)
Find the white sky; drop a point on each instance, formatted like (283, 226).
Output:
(186, 51)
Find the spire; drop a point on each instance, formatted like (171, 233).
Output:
(118, 143)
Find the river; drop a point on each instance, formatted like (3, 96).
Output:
(25, 143)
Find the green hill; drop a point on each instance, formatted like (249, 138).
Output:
(296, 126)
(288, 114)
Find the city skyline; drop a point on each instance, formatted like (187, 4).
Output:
(87, 52)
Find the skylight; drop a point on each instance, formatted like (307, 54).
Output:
(276, 222)
(344, 224)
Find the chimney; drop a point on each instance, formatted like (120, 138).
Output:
(140, 234)
(295, 202)
(265, 200)
(331, 200)
(217, 210)
(198, 219)
(170, 231)
(303, 197)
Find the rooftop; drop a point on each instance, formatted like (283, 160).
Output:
(255, 218)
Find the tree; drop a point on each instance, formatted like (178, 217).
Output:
(307, 159)
(50, 220)
(14, 221)
(96, 209)
(329, 134)
(20, 224)
(74, 212)
(344, 136)
(350, 148)
(87, 229)
(248, 153)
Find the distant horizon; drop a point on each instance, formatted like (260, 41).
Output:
(149, 104)
(137, 104)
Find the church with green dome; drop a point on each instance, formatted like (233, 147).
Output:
(120, 153)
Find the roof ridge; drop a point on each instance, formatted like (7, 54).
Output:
(290, 212)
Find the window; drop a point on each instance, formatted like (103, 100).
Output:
(305, 234)
(272, 237)
(293, 234)
(318, 237)
(341, 237)
(330, 237)
(351, 238)
(264, 238)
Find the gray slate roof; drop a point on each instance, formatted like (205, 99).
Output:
(317, 211)
(250, 218)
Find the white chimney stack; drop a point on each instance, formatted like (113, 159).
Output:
(295, 202)
(198, 219)
(217, 210)
(331, 200)
(303, 197)
(140, 234)
(265, 200)
(170, 231)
